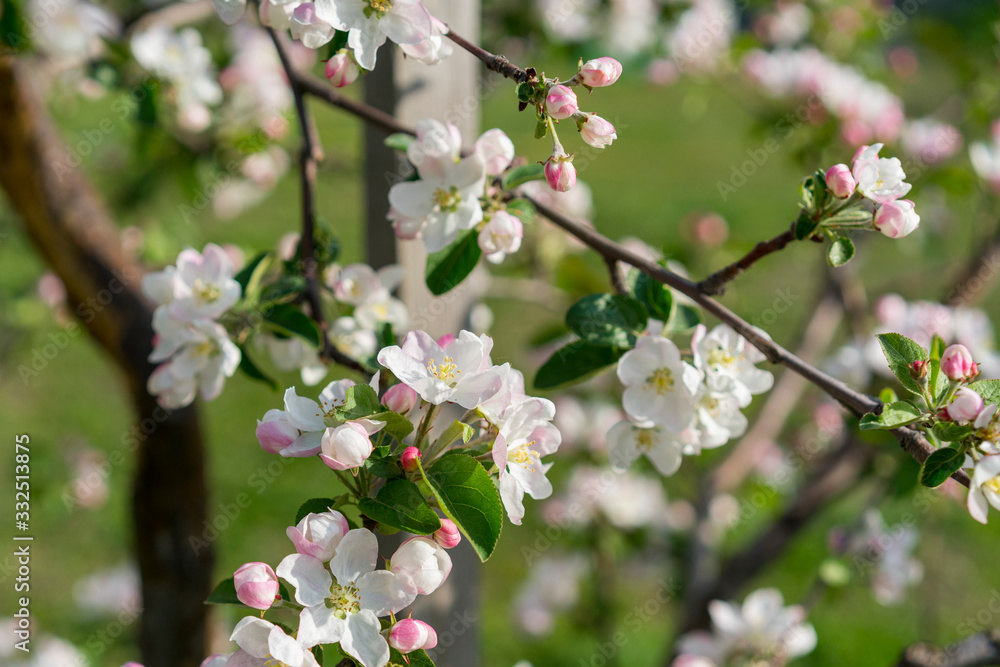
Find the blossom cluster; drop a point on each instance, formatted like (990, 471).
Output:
(370, 295)
(193, 349)
(341, 594)
(675, 407)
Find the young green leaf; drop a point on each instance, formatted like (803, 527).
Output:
(399, 141)
(400, 504)
(468, 496)
(575, 362)
(805, 224)
(360, 401)
(900, 352)
(613, 320)
(952, 432)
(523, 174)
(396, 424)
(840, 252)
(654, 295)
(522, 209)
(447, 268)
(941, 465)
(224, 593)
(291, 321)
(683, 318)
(988, 389)
(893, 415)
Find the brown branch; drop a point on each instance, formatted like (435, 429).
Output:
(979, 650)
(75, 234)
(494, 63)
(322, 90)
(715, 284)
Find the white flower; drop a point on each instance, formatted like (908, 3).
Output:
(500, 236)
(658, 387)
(201, 285)
(204, 358)
(511, 392)
(460, 373)
(525, 436)
(421, 565)
(318, 535)
(717, 419)
(880, 179)
(727, 360)
(273, 13)
(446, 198)
(349, 445)
(308, 28)
(985, 487)
(432, 50)
(355, 284)
(348, 336)
(626, 442)
(763, 626)
(986, 161)
(343, 604)
(370, 22)
(267, 642)
(71, 29)
(496, 149)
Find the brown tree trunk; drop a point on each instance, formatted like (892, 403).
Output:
(76, 236)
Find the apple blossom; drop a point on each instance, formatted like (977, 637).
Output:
(957, 363)
(343, 603)
(728, 362)
(600, 72)
(421, 565)
(560, 173)
(410, 635)
(965, 406)
(267, 642)
(201, 285)
(560, 102)
(349, 445)
(432, 50)
(341, 70)
(448, 535)
(369, 23)
(410, 459)
(525, 436)
(400, 398)
(317, 535)
(597, 132)
(500, 236)
(256, 585)
(984, 488)
(896, 219)
(446, 198)
(657, 384)
(841, 181)
(459, 374)
(309, 418)
(309, 29)
(879, 179)
(201, 364)
(348, 336)
(626, 442)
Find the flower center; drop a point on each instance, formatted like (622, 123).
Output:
(662, 381)
(344, 600)
(719, 357)
(644, 439)
(523, 456)
(206, 348)
(445, 371)
(377, 8)
(993, 484)
(447, 200)
(206, 292)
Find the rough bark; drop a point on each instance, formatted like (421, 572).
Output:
(75, 234)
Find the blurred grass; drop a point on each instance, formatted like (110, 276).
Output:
(675, 144)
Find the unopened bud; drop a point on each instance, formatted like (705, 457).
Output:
(957, 363)
(447, 535)
(410, 459)
(410, 635)
(918, 371)
(400, 398)
(966, 405)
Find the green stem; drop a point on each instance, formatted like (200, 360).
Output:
(425, 426)
(350, 483)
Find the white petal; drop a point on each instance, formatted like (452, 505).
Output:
(356, 555)
(311, 580)
(364, 640)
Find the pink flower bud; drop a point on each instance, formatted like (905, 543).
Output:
(597, 132)
(841, 181)
(957, 363)
(256, 585)
(400, 398)
(347, 446)
(561, 102)
(411, 635)
(918, 371)
(965, 407)
(560, 173)
(341, 70)
(600, 72)
(447, 535)
(896, 219)
(409, 459)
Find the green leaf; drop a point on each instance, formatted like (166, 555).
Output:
(360, 401)
(941, 465)
(468, 496)
(900, 352)
(988, 389)
(400, 504)
(13, 28)
(413, 659)
(652, 294)
(851, 217)
(887, 395)
(952, 432)
(522, 209)
(682, 319)
(447, 268)
(575, 362)
(399, 141)
(937, 347)
(292, 321)
(317, 652)
(805, 224)
(224, 593)
(285, 288)
(607, 319)
(541, 129)
(523, 174)
(893, 415)
(396, 424)
(840, 252)
(454, 431)
(382, 464)
(250, 369)
(821, 193)
(250, 271)
(806, 193)
(315, 506)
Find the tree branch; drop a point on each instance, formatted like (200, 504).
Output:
(494, 63)
(715, 284)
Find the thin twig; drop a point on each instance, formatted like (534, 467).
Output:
(319, 89)
(493, 62)
(715, 284)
